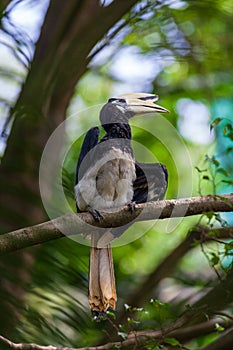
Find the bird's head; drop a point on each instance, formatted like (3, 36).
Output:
(121, 108)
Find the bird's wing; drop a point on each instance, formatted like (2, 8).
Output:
(151, 182)
(89, 142)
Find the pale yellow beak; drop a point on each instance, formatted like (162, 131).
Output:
(141, 103)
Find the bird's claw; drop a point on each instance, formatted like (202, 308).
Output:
(95, 213)
(131, 206)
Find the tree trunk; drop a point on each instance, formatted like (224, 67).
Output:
(70, 31)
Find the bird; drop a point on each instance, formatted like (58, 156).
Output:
(108, 176)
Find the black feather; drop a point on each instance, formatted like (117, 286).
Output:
(89, 142)
(151, 182)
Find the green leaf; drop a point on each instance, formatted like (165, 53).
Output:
(215, 123)
(127, 307)
(229, 126)
(138, 309)
(172, 342)
(123, 335)
(157, 303)
(222, 171)
(230, 182)
(214, 232)
(225, 131)
(215, 162)
(111, 314)
(228, 246)
(209, 214)
(123, 328)
(132, 321)
(153, 346)
(214, 259)
(219, 328)
(230, 136)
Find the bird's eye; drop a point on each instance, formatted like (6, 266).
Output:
(120, 100)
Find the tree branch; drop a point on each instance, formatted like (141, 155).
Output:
(165, 268)
(79, 223)
(137, 338)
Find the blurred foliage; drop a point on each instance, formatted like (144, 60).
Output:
(189, 46)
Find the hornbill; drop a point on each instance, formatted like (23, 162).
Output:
(108, 176)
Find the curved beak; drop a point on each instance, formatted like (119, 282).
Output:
(142, 103)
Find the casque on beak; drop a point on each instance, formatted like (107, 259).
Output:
(142, 103)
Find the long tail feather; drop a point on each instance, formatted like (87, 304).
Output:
(102, 289)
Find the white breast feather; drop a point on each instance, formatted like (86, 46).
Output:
(108, 183)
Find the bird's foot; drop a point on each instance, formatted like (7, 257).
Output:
(95, 213)
(131, 206)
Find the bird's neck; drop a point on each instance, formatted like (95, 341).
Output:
(117, 130)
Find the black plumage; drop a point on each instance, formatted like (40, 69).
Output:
(151, 179)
